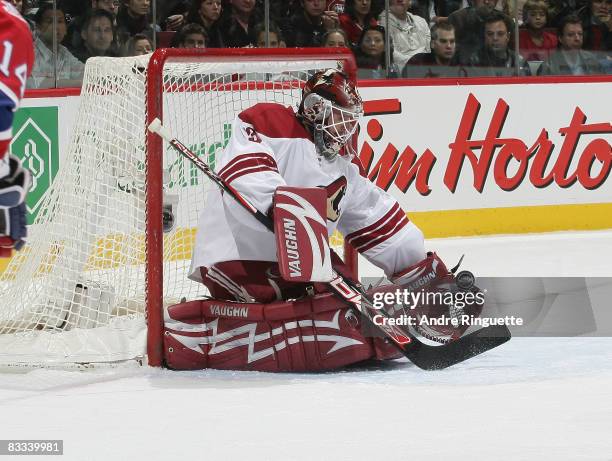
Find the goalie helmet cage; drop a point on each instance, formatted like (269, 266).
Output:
(100, 258)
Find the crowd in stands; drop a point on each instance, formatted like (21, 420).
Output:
(427, 38)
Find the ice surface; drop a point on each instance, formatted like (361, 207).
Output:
(530, 399)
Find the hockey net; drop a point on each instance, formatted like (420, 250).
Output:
(99, 267)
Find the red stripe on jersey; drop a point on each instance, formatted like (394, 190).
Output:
(366, 230)
(250, 170)
(394, 230)
(376, 233)
(245, 164)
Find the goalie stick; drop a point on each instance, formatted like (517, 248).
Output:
(423, 355)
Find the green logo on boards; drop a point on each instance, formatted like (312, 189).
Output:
(183, 173)
(36, 143)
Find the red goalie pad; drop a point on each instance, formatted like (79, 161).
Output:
(300, 226)
(310, 334)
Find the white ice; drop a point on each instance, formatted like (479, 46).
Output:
(530, 399)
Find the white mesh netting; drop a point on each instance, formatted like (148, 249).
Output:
(76, 293)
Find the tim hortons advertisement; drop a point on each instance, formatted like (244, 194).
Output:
(489, 146)
(460, 159)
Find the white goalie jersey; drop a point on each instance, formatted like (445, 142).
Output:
(269, 148)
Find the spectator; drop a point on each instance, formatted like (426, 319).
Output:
(409, 33)
(281, 10)
(71, 8)
(307, 27)
(597, 25)
(536, 44)
(370, 53)
(426, 9)
(69, 68)
(19, 5)
(22, 7)
(516, 10)
(190, 36)
(133, 18)
(276, 39)
(138, 45)
(443, 48)
(112, 6)
(336, 5)
(504, 7)
(73, 38)
(357, 15)
(335, 38)
(469, 27)
(496, 53)
(207, 13)
(171, 14)
(559, 9)
(237, 23)
(570, 59)
(444, 8)
(97, 36)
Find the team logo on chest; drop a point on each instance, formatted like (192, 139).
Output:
(335, 193)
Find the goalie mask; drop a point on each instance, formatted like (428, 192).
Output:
(331, 107)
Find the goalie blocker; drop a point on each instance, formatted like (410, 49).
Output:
(301, 234)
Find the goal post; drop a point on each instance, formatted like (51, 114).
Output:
(111, 244)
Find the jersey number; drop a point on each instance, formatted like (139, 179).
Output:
(252, 135)
(21, 71)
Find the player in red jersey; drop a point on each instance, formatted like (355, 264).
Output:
(16, 61)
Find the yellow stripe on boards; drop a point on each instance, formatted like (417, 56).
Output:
(513, 220)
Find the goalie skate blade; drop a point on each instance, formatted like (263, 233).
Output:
(440, 357)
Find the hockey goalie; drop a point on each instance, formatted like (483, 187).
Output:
(270, 308)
